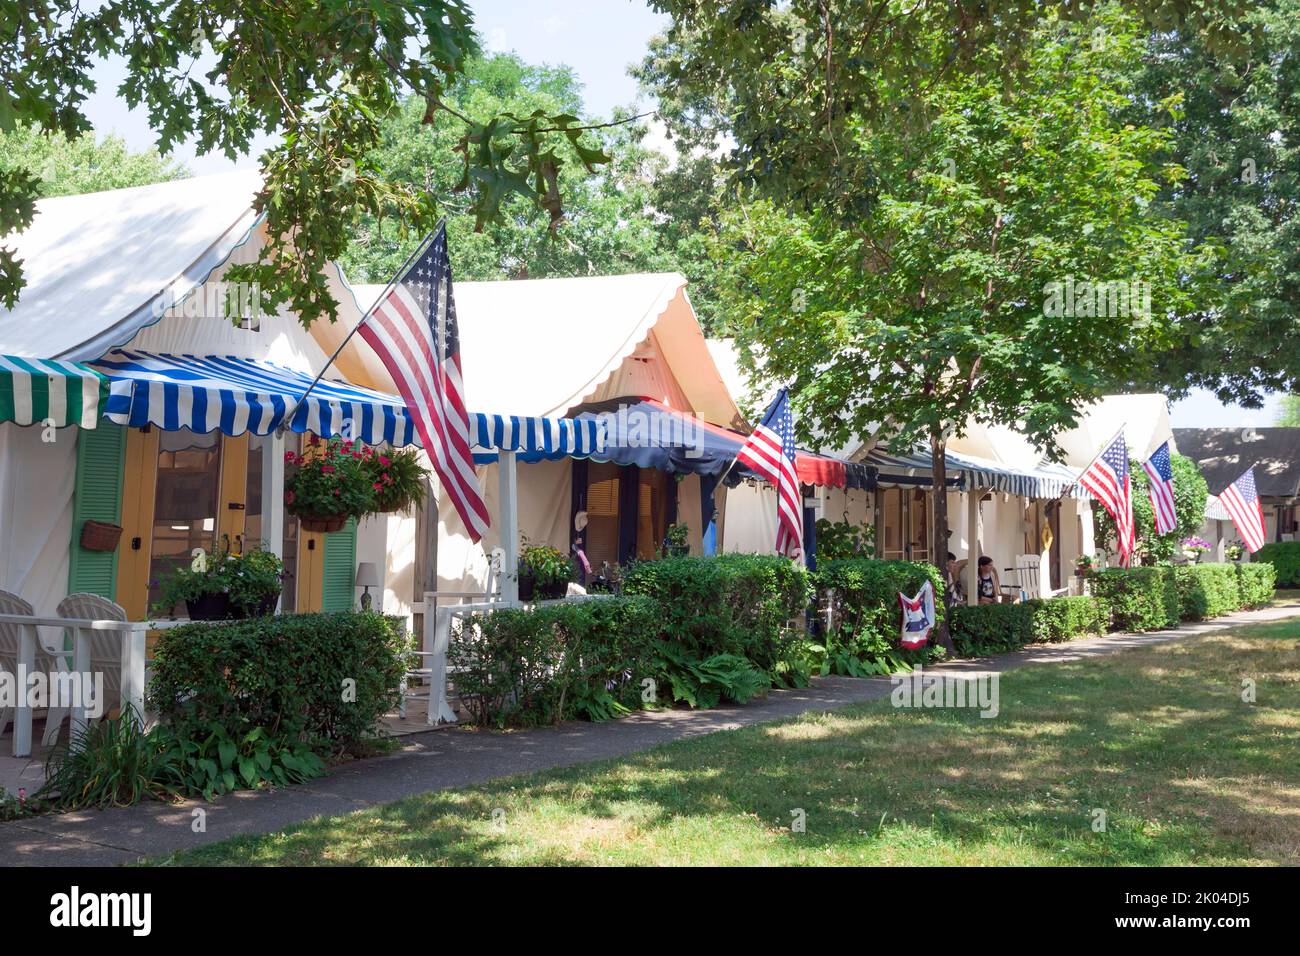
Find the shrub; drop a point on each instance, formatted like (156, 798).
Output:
(1065, 618)
(1284, 557)
(1140, 599)
(865, 614)
(325, 679)
(529, 666)
(743, 605)
(981, 629)
(1255, 583)
(1206, 590)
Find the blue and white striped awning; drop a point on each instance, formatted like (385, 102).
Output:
(238, 395)
(535, 439)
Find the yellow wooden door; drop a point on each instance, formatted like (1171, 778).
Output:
(232, 499)
(311, 569)
(140, 470)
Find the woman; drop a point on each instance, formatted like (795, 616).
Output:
(989, 585)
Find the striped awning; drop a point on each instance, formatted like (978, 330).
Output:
(534, 439)
(34, 391)
(1049, 481)
(238, 395)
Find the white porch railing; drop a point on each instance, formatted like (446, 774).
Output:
(133, 635)
(436, 641)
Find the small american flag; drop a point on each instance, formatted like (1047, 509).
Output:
(1161, 474)
(769, 453)
(1241, 499)
(413, 331)
(1108, 480)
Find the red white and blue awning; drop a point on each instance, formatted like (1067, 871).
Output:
(534, 439)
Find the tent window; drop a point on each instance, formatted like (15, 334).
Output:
(602, 513)
(185, 511)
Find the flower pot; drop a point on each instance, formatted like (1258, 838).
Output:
(552, 590)
(527, 585)
(214, 606)
(324, 524)
(100, 535)
(263, 608)
(678, 550)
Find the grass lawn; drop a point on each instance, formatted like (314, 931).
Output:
(1157, 737)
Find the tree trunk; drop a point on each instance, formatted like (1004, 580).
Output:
(939, 545)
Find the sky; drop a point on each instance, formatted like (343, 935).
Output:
(599, 39)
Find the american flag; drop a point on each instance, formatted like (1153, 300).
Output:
(1241, 499)
(769, 453)
(1161, 474)
(1107, 478)
(413, 331)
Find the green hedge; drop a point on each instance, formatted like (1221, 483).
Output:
(1065, 618)
(1152, 598)
(865, 614)
(327, 679)
(1284, 557)
(529, 666)
(745, 605)
(994, 628)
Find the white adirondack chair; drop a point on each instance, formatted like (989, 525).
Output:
(105, 650)
(47, 661)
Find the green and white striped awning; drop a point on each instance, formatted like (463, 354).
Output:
(34, 391)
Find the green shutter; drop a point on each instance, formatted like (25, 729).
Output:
(339, 568)
(101, 452)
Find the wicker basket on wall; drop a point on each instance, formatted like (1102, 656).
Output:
(100, 535)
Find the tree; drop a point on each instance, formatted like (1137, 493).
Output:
(1190, 494)
(639, 213)
(1238, 136)
(1288, 412)
(83, 165)
(1006, 269)
(320, 77)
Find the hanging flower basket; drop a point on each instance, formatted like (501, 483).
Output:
(397, 479)
(100, 535)
(322, 524)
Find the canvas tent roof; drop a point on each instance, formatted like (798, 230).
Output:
(546, 346)
(1222, 454)
(101, 266)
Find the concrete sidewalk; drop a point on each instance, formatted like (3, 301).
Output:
(451, 758)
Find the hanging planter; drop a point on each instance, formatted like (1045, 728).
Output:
(397, 479)
(100, 535)
(328, 484)
(224, 586)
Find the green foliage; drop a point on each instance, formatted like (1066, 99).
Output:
(1190, 493)
(112, 763)
(208, 761)
(316, 78)
(1153, 598)
(539, 665)
(84, 164)
(1237, 133)
(984, 629)
(1255, 583)
(252, 580)
(837, 540)
(863, 597)
(1284, 557)
(1067, 617)
(546, 565)
(332, 478)
(742, 605)
(708, 682)
(324, 679)
(397, 477)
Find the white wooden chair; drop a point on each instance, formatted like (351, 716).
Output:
(105, 649)
(1031, 579)
(428, 608)
(47, 661)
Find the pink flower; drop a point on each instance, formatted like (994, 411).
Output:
(328, 469)
(378, 486)
(337, 491)
(288, 456)
(385, 461)
(289, 496)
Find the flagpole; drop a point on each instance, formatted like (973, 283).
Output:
(424, 244)
(1102, 451)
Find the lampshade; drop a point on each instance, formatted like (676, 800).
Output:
(367, 576)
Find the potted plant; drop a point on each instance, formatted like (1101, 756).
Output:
(544, 572)
(1234, 551)
(397, 478)
(224, 586)
(1083, 564)
(329, 484)
(677, 540)
(1194, 547)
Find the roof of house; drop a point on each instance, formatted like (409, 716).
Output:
(1223, 454)
(101, 266)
